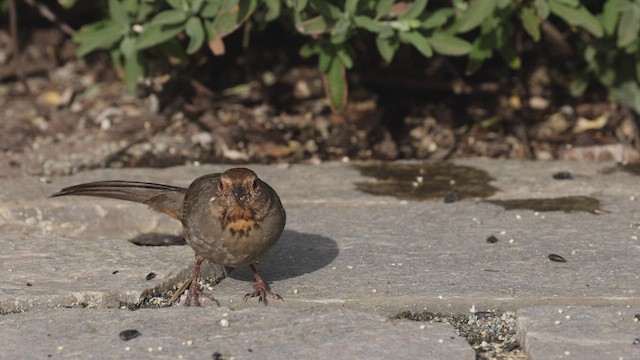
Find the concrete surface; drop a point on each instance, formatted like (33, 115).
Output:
(342, 250)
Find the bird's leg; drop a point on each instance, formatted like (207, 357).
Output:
(260, 288)
(194, 291)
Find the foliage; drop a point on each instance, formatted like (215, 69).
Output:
(477, 29)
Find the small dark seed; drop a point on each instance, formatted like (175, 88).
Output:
(556, 258)
(450, 197)
(127, 335)
(115, 272)
(636, 341)
(492, 239)
(216, 356)
(483, 314)
(151, 275)
(29, 284)
(562, 175)
(637, 317)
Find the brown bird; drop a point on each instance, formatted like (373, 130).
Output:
(231, 218)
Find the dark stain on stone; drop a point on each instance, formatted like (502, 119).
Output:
(426, 181)
(566, 204)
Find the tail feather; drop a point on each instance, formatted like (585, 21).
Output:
(164, 198)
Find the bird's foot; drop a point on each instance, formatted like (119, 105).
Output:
(260, 290)
(194, 295)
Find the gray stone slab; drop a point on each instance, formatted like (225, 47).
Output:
(198, 333)
(342, 247)
(586, 333)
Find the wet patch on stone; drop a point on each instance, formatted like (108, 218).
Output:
(492, 335)
(565, 203)
(428, 181)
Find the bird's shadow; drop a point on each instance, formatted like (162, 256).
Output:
(295, 254)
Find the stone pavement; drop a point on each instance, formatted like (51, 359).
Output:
(347, 263)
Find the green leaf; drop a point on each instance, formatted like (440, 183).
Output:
(179, 4)
(314, 26)
(610, 15)
(154, 34)
(368, 24)
(530, 22)
(387, 46)
(437, 18)
(133, 71)
(211, 9)
(628, 94)
(325, 57)
(629, 25)
(340, 30)
(169, 17)
(336, 84)
(196, 6)
(309, 49)
(542, 8)
(351, 7)
(300, 5)
(414, 10)
(577, 16)
(144, 10)
(128, 47)
(98, 35)
(195, 31)
(510, 56)
(482, 49)
(344, 53)
(67, 4)
(273, 10)
(326, 8)
(446, 44)
(478, 11)
(229, 20)
(383, 8)
(579, 85)
(570, 3)
(118, 13)
(419, 41)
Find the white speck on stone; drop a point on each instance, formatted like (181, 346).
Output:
(503, 232)
(60, 348)
(374, 290)
(568, 317)
(567, 353)
(399, 264)
(224, 323)
(557, 322)
(295, 291)
(225, 314)
(127, 348)
(440, 297)
(632, 198)
(419, 179)
(349, 267)
(422, 327)
(560, 311)
(333, 268)
(472, 309)
(415, 184)
(511, 241)
(452, 182)
(189, 342)
(536, 213)
(518, 216)
(196, 163)
(633, 237)
(440, 341)
(160, 348)
(345, 159)
(150, 349)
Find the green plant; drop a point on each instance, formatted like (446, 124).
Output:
(478, 29)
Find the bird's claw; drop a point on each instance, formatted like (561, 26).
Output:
(260, 291)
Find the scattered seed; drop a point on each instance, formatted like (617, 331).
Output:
(492, 239)
(29, 284)
(562, 175)
(150, 276)
(450, 197)
(224, 323)
(636, 317)
(518, 216)
(556, 258)
(636, 341)
(127, 335)
(511, 241)
(115, 272)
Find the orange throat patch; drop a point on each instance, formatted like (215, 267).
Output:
(239, 221)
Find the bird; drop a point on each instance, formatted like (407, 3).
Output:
(231, 218)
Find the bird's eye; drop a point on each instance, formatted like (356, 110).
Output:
(256, 184)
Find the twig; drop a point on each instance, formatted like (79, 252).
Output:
(46, 13)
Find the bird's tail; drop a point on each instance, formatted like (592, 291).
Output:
(164, 198)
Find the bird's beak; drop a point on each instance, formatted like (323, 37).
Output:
(238, 192)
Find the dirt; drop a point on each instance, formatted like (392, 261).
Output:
(74, 115)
